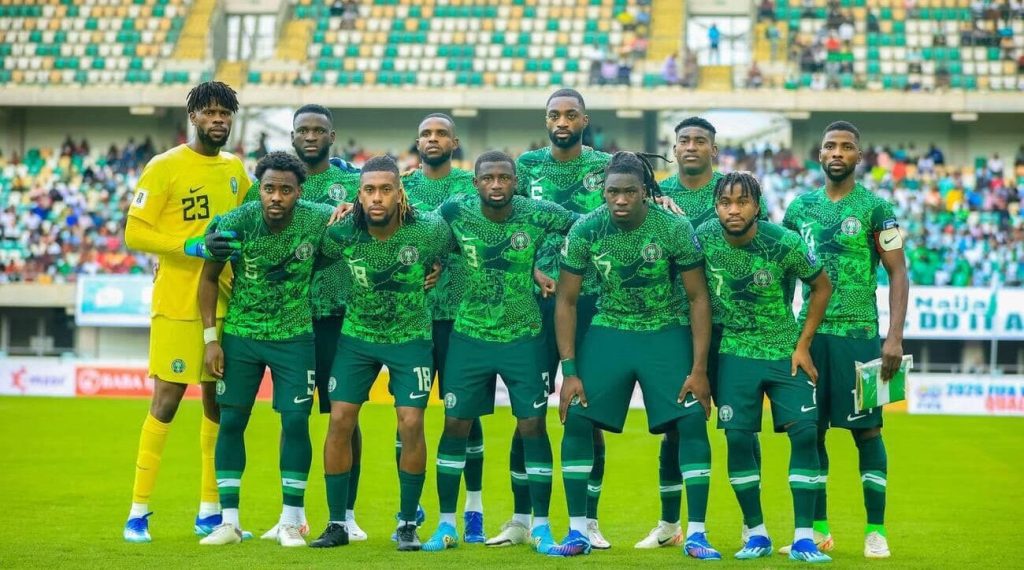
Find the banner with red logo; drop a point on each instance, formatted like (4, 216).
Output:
(37, 377)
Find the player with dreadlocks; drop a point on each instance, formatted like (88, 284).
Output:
(178, 194)
(751, 268)
(388, 248)
(649, 267)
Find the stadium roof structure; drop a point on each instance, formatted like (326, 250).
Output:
(618, 99)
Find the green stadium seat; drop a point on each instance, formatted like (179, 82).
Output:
(971, 82)
(874, 67)
(387, 64)
(352, 51)
(956, 81)
(318, 37)
(98, 63)
(254, 77)
(572, 65)
(993, 54)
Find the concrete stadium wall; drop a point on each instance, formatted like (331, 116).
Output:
(41, 127)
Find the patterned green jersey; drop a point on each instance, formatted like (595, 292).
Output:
(270, 296)
(426, 195)
(387, 303)
(847, 237)
(639, 270)
(751, 284)
(499, 304)
(699, 207)
(330, 279)
(699, 204)
(576, 185)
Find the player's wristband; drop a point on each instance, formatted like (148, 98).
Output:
(568, 367)
(209, 335)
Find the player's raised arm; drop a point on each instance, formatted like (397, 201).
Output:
(213, 356)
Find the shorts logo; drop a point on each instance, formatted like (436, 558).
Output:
(221, 387)
(449, 400)
(725, 413)
(304, 251)
(336, 192)
(409, 255)
(851, 226)
(178, 366)
(332, 384)
(593, 181)
(763, 278)
(651, 252)
(234, 185)
(520, 241)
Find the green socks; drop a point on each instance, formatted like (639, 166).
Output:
(451, 461)
(670, 480)
(353, 486)
(229, 456)
(410, 488)
(296, 456)
(539, 472)
(337, 495)
(520, 485)
(694, 457)
(803, 471)
(595, 481)
(744, 475)
(577, 462)
(821, 500)
(474, 472)
(873, 475)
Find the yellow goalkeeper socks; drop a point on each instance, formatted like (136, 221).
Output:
(147, 464)
(207, 445)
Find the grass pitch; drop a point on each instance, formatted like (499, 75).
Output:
(66, 467)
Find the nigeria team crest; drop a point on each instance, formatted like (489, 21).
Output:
(221, 387)
(332, 384)
(725, 413)
(336, 192)
(593, 181)
(763, 278)
(304, 251)
(651, 252)
(178, 366)
(449, 400)
(851, 226)
(520, 241)
(408, 255)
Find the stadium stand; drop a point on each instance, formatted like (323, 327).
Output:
(90, 42)
(473, 43)
(917, 45)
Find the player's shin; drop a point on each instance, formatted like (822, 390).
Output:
(296, 456)
(694, 454)
(521, 506)
(230, 459)
(151, 449)
(670, 479)
(804, 478)
(744, 476)
(474, 472)
(873, 476)
(596, 480)
(821, 499)
(451, 462)
(577, 463)
(538, 468)
(412, 465)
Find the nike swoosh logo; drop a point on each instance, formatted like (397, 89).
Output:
(540, 404)
(302, 400)
(664, 541)
(466, 238)
(852, 418)
(687, 405)
(808, 408)
(414, 396)
(889, 240)
(196, 189)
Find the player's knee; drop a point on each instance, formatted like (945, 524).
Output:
(532, 427)
(739, 439)
(342, 423)
(410, 422)
(166, 399)
(672, 435)
(861, 436)
(457, 427)
(598, 436)
(803, 432)
(234, 419)
(295, 424)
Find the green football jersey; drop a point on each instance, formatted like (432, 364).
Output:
(699, 207)
(699, 204)
(751, 285)
(499, 304)
(847, 237)
(387, 303)
(426, 194)
(639, 270)
(270, 299)
(330, 278)
(576, 185)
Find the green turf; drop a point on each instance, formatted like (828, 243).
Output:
(66, 471)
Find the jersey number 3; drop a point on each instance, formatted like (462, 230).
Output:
(195, 208)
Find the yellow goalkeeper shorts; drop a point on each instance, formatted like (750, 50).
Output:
(176, 350)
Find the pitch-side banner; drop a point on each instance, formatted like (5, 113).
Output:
(965, 395)
(113, 301)
(956, 313)
(37, 377)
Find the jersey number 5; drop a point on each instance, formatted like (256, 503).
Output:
(195, 207)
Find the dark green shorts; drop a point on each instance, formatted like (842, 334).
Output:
(834, 357)
(325, 333)
(586, 308)
(743, 383)
(612, 361)
(470, 376)
(357, 364)
(291, 365)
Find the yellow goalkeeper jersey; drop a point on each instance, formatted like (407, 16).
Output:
(179, 193)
